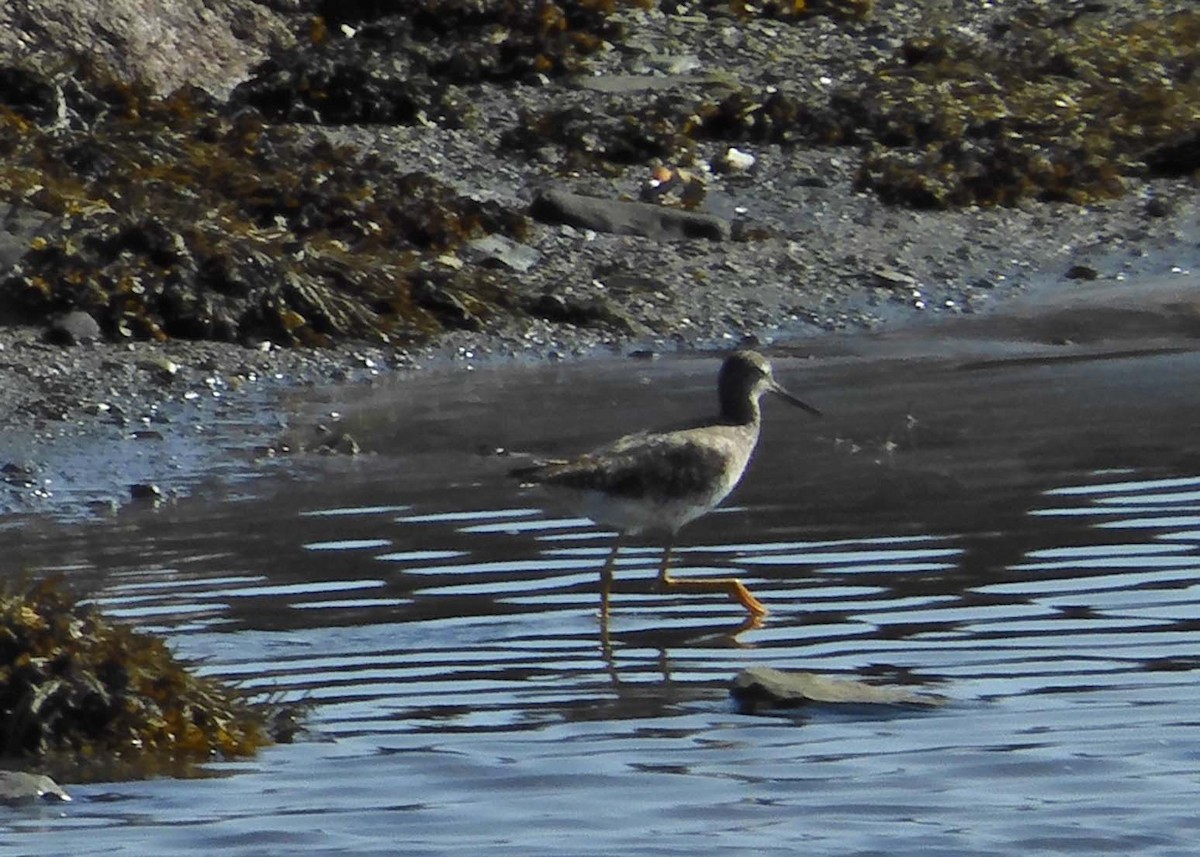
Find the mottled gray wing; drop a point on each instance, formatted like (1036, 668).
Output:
(668, 466)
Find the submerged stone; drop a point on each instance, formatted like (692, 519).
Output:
(766, 687)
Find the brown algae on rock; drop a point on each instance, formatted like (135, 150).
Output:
(1053, 107)
(79, 692)
(185, 217)
(176, 221)
(1046, 105)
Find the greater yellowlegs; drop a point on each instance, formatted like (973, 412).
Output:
(655, 482)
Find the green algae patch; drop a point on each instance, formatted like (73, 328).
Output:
(80, 692)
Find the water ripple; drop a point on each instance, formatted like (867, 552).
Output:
(465, 699)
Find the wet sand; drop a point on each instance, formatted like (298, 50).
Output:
(224, 415)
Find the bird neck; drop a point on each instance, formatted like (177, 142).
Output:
(739, 410)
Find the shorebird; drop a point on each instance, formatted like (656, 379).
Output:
(655, 482)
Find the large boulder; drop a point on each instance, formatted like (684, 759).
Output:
(212, 44)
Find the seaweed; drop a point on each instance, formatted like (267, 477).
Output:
(396, 62)
(1045, 107)
(1059, 113)
(80, 690)
(175, 220)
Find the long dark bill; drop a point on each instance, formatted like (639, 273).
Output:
(779, 391)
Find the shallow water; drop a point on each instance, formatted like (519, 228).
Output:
(1017, 532)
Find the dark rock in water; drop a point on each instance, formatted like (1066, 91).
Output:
(17, 787)
(21, 474)
(626, 218)
(146, 491)
(1081, 272)
(766, 687)
(73, 328)
(337, 443)
(287, 723)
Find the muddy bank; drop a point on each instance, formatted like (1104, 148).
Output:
(95, 427)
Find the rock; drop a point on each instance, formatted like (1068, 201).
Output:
(626, 83)
(212, 44)
(592, 312)
(286, 724)
(1179, 156)
(18, 227)
(735, 161)
(1081, 272)
(17, 787)
(160, 365)
(339, 443)
(504, 251)
(1156, 206)
(73, 328)
(772, 688)
(626, 218)
(146, 491)
(890, 278)
(23, 475)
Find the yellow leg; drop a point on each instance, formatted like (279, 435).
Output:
(606, 581)
(731, 586)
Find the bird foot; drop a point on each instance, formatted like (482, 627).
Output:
(731, 586)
